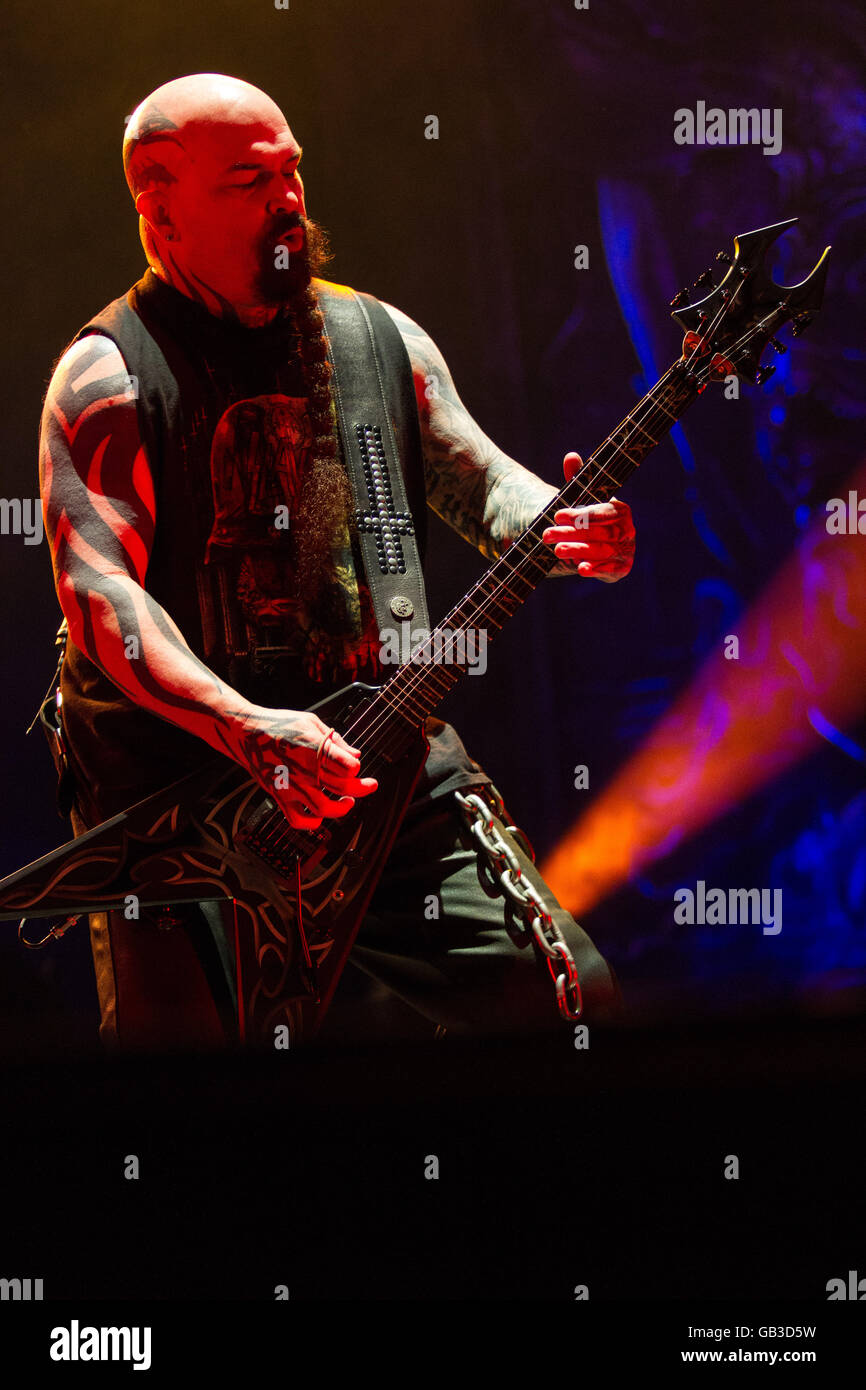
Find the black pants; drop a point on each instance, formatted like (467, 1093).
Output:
(432, 953)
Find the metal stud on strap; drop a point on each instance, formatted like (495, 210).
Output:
(382, 520)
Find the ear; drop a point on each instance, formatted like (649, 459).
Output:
(153, 207)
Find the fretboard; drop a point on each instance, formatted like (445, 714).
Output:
(433, 669)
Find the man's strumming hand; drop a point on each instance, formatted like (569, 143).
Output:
(281, 749)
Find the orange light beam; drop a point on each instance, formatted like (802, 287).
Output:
(802, 654)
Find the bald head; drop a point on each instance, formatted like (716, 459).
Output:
(165, 132)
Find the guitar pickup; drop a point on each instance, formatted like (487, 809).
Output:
(265, 808)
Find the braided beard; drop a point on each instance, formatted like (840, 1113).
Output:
(325, 508)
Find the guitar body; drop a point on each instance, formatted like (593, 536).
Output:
(299, 896)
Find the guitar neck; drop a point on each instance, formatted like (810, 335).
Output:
(434, 667)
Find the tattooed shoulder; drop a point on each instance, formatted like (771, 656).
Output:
(91, 369)
(429, 368)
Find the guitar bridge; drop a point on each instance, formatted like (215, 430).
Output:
(267, 833)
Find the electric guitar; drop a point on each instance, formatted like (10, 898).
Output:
(300, 896)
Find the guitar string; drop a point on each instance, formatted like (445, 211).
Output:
(416, 681)
(371, 734)
(652, 402)
(426, 673)
(653, 410)
(512, 561)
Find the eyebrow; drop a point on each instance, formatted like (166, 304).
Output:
(241, 165)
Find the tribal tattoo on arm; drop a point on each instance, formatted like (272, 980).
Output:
(484, 495)
(100, 514)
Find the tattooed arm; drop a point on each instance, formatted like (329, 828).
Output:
(100, 516)
(489, 498)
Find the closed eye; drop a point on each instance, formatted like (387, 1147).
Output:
(290, 174)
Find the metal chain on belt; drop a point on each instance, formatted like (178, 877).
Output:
(500, 874)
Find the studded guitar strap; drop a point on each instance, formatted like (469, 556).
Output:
(355, 325)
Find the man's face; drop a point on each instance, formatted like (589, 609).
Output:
(240, 215)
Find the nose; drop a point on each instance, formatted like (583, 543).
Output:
(289, 199)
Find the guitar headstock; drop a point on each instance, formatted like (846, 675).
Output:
(728, 329)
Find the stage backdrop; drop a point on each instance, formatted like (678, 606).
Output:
(573, 179)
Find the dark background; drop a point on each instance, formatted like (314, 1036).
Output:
(556, 129)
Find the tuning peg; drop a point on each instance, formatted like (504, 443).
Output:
(800, 324)
(705, 279)
(764, 375)
(777, 346)
(679, 299)
(724, 257)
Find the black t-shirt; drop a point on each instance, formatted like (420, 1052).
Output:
(225, 422)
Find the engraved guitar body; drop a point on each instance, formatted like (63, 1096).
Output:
(216, 834)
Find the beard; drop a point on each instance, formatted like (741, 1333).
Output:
(281, 286)
(324, 518)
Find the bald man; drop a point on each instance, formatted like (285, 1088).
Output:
(175, 424)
